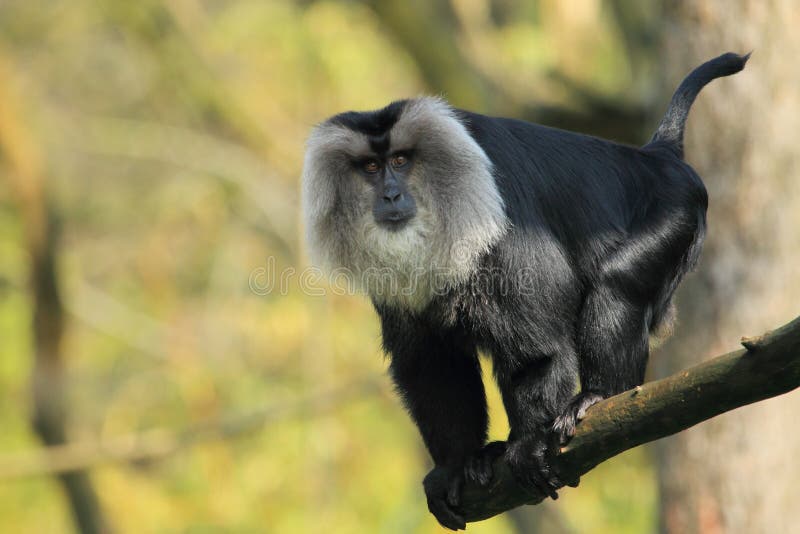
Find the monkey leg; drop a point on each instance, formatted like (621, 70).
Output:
(613, 337)
(631, 295)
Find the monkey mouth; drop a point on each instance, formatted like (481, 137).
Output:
(394, 223)
(394, 219)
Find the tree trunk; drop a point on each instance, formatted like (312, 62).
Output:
(20, 153)
(738, 472)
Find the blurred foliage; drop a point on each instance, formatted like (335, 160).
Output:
(170, 134)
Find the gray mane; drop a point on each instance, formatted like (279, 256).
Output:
(461, 213)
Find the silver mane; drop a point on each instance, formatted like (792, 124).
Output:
(460, 211)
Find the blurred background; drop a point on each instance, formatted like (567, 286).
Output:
(159, 374)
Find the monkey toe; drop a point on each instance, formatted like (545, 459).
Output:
(565, 424)
(564, 427)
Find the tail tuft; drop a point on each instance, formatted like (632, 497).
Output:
(670, 130)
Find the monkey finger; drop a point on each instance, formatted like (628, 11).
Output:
(479, 467)
(487, 470)
(474, 470)
(445, 516)
(454, 486)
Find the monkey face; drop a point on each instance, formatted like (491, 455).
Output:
(393, 204)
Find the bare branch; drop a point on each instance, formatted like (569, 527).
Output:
(769, 366)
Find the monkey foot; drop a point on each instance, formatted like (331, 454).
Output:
(529, 460)
(478, 467)
(564, 425)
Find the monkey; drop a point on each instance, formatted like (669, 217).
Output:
(556, 254)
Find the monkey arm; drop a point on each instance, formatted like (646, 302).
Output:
(437, 375)
(769, 366)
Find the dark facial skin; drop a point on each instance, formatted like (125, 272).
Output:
(393, 205)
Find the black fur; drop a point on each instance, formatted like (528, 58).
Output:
(371, 122)
(670, 130)
(604, 233)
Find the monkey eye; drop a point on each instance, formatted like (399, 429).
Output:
(371, 167)
(398, 160)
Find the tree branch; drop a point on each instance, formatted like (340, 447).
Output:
(768, 366)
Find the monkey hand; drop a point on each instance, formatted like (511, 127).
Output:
(530, 461)
(564, 425)
(443, 489)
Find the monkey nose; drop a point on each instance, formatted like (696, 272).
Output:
(392, 197)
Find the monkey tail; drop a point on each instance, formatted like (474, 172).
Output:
(670, 130)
